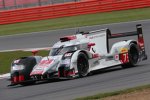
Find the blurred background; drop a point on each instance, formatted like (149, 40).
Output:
(15, 4)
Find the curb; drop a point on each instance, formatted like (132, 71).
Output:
(5, 76)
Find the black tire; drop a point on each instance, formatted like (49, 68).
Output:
(82, 65)
(133, 54)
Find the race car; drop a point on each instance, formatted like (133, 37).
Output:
(78, 55)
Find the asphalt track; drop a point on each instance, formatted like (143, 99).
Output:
(103, 81)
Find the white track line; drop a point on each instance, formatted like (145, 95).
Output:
(27, 49)
(78, 27)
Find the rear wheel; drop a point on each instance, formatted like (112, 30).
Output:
(82, 65)
(133, 55)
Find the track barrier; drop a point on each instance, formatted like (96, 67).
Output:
(69, 9)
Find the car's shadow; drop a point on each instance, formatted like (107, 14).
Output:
(39, 82)
(115, 68)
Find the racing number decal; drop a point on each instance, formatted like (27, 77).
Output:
(124, 58)
(45, 62)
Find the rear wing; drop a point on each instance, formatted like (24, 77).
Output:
(138, 33)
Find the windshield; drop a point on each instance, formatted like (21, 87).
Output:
(61, 50)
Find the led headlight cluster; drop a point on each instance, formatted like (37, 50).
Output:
(17, 67)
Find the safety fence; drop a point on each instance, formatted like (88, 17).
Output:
(17, 4)
(69, 9)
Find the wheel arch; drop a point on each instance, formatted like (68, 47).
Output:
(82, 64)
(133, 55)
(122, 44)
(86, 53)
(75, 57)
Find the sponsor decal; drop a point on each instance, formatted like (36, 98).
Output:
(123, 50)
(96, 36)
(124, 58)
(95, 55)
(116, 57)
(141, 41)
(67, 54)
(41, 66)
(36, 72)
(45, 62)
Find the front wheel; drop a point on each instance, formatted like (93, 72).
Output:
(82, 65)
(133, 55)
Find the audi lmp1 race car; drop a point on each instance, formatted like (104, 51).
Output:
(78, 55)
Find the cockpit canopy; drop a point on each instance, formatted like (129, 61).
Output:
(62, 49)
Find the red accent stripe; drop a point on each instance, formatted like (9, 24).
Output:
(21, 78)
(95, 55)
(15, 79)
(71, 37)
(141, 41)
(68, 38)
(58, 73)
(71, 72)
(36, 73)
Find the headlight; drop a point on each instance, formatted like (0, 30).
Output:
(17, 67)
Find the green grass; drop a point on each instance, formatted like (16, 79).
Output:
(76, 21)
(7, 57)
(104, 95)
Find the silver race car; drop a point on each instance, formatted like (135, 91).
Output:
(78, 55)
